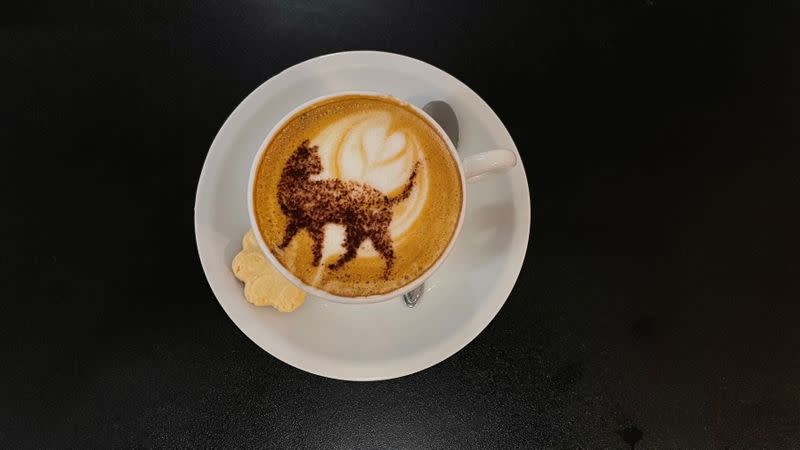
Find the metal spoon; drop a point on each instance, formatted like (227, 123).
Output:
(444, 115)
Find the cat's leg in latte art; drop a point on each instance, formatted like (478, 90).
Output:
(352, 241)
(382, 242)
(292, 227)
(318, 236)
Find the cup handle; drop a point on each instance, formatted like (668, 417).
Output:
(479, 166)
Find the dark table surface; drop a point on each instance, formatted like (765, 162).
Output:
(657, 307)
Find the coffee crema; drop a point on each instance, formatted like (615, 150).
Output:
(357, 195)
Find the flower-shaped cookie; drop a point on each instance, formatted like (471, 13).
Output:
(263, 284)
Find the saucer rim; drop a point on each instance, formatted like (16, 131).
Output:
(394, 371)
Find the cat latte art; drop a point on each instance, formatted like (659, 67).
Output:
(357, 195)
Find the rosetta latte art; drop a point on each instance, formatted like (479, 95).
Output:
(366, 149)
(364, 211)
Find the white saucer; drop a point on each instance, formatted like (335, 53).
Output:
(384, 340)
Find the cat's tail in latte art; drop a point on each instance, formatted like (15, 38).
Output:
(407, 189)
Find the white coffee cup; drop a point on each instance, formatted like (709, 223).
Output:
(471, 169)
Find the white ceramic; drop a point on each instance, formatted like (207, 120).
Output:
(381, 340)
(476, 168)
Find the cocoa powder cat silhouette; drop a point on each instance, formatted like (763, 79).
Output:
(365, 212)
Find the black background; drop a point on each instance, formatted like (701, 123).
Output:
(657, 304)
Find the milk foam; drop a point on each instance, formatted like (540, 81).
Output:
(361, 140)
(367, 148)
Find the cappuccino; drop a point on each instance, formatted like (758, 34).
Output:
(357, 195)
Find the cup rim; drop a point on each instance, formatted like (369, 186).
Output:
(359, 300)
